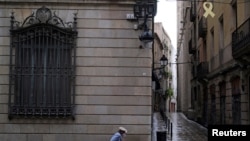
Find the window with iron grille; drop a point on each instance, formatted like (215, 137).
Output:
(42, 66)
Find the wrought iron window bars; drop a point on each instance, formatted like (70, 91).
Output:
(42, 66)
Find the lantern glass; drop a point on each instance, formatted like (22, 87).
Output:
(137, 10)
(163, 61)
(146, 36)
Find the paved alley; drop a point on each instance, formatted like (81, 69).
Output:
(183, 129)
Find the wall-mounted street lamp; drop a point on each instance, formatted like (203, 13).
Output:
(145, 10)
(164, 61)
(146, 36)
(156, 78)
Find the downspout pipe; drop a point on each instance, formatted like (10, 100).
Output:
(153, 59)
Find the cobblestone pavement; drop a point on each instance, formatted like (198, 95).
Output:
(183, 129)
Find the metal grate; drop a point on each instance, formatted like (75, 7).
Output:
(42, 61)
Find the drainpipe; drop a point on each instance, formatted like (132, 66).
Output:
(153, 67)
(236, 19)
(153, 92)
(197, 58)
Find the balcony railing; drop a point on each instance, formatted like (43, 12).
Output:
(202, 70)
(241, 40)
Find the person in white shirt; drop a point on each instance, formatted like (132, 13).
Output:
(119, 135)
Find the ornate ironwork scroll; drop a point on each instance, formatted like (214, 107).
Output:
(43, 15)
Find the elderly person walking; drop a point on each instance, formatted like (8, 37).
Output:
(119, 135)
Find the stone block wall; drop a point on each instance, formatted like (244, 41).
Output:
(113, 75)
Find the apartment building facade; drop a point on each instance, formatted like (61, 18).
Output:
(220, 78)
(163, 46)
(184, 68)
(72, 71)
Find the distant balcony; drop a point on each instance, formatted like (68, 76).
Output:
(241, 40)
(202, 27)
(202, 70)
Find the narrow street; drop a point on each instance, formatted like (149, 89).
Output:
(183, 129)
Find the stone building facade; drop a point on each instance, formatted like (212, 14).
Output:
(184, 69)
(166, 49)
(219, 47)
(72, 71)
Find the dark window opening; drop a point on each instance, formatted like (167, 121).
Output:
(222, 102)
(236, 100)
(213, 104)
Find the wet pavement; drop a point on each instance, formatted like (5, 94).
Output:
(182, 129)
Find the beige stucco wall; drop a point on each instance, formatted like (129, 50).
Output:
(216, 55)
(113, 75)
(221, 58)
(184, 69)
